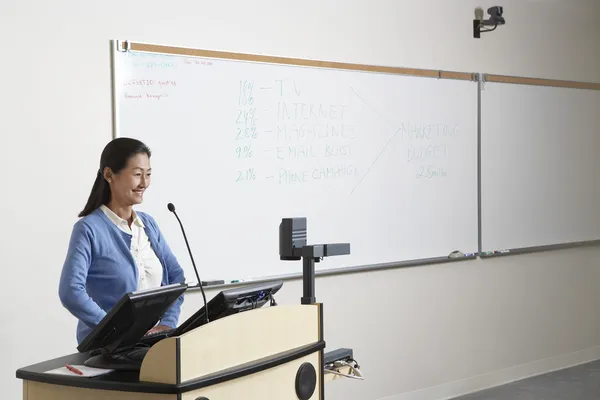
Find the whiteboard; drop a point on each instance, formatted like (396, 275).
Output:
(540, 165)
(387, 163)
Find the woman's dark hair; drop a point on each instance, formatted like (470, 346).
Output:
(115, 155)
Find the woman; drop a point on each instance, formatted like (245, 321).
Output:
(113, 249)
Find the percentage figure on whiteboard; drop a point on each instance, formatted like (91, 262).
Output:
(246, 175)
(245, 96)
(244, 152)
(246, 133)
(247, 117)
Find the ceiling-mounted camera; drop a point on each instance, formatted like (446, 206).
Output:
(496, 15)
(495, 19)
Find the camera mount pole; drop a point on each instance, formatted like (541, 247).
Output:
(292, 246)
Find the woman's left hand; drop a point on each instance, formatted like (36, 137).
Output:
(158, 328)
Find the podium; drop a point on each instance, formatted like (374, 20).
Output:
(263, 353)
(273, 352)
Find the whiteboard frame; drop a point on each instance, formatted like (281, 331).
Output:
(479, 213)
(125, 45)
(518, 80)
(539, 249)
(113, 93)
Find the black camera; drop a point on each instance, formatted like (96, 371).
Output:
(496, 15)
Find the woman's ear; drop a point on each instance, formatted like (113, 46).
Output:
(108, 174)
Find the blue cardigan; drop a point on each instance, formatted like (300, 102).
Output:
(99, 269)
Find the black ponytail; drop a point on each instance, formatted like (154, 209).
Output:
(115, 156)
(100, 195)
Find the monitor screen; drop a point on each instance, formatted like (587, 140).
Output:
(131, 318)
(231, 301)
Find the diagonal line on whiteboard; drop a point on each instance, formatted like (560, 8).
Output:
(384, 147)
(371, 107)
(379, 155)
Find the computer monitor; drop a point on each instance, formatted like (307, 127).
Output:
(117, 334)
(226, 302)
(231, 301)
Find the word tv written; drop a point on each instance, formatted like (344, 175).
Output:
(288, 176)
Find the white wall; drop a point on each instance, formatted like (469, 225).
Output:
(434, 330)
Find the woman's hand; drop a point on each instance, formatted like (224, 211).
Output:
(158, 328)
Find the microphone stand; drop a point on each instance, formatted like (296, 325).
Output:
(171, 208)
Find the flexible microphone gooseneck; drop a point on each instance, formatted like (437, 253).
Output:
(171, 208)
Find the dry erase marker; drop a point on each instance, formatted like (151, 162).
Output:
(73, 369)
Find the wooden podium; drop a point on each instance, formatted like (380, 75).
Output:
(268, 353)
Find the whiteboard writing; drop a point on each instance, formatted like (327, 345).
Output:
(145, 96)
(293, 128)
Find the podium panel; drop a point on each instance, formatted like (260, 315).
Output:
(275, 383)
(46, 391)
(232, 341)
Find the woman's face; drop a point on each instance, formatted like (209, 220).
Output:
(128, 186)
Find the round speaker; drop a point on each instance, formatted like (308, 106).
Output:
(306, 381)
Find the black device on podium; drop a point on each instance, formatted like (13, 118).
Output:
(226, 302)
(293, 246)
(112, 343)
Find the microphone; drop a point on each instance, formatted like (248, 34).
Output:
(171, 208)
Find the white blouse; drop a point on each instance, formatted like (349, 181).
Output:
(149, 266)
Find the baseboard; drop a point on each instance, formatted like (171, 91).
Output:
(495, 378)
